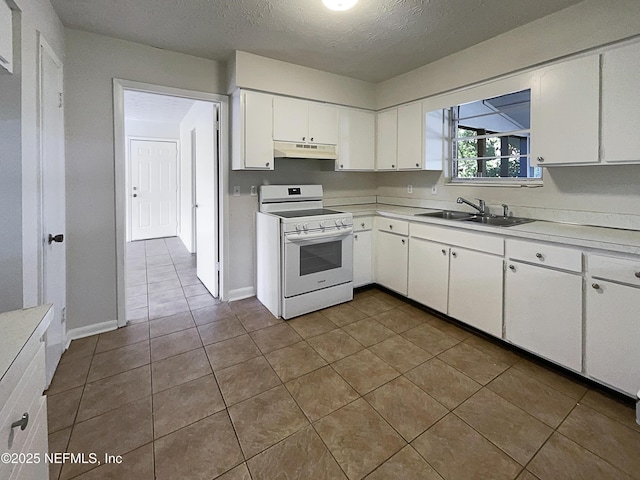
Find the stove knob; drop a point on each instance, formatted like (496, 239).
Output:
(322, 224)
(343, 222)
(337, 222)
(298, 227)
(306, 227)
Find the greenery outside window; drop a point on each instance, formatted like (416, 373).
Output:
(490, 140)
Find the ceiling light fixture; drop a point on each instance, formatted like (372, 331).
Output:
(339, 5)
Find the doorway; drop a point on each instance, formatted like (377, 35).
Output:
(170, 249)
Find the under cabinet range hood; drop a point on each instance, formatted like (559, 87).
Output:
(304, 150)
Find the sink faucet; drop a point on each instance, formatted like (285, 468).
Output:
(481, 207)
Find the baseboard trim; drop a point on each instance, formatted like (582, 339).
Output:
(240, 293)
(81, 332)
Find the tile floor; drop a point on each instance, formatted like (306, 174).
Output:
(375, 388)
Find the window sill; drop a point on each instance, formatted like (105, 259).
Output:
(478, 182)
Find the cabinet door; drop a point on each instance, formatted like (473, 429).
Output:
(565, 113)
(410, 137)
(6, 37)
(362, 266)
(543, 312)
(323, 124)
(357, 133)
(612, 335)
(392, 252)
(290, 119)
(257, 140)
(620, 100)
(429, 273)
(475, 289)
(436, 139)
(387, 140)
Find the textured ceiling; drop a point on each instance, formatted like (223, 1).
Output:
(376, 40)
(151, 107)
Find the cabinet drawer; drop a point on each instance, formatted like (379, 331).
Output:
(393, 226)
(615, 268)
(361, 224)
(544, 254)
(23, 399)
(460, 238)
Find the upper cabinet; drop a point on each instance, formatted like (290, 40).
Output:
(407, 138)
(251, 131)
(620, 100)
(356, 139)
(302, 121)
(6, 37)
(565, 113)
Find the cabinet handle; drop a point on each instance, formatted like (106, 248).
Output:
(512, 267)
(539, 256)
(454, 254)
(304, 138)
(341, 166)
(595, 286)
(444, 252)
(393, 166)
(403, 241)
(637, 274)
(311, 139)
(22, 423)
(355, 237)
(390, 227)
(267, 164)
(362, 224)
(417, 164)
(541, 159)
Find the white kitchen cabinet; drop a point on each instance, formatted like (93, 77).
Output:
(436, 139)
(356, 139)
(362, 252)
(429, 273)
(410, 137)
(6, 37)
(475, 289)
(612, 335)
(565, 113)
(392, 254)
(387, 140)
(620, 99)
(252, 131)
(543, 312)
(303, 121)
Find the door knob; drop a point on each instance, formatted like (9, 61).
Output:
(57, 238)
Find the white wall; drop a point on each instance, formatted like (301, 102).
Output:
(585, 25)
(151, 130)
(261, 73)
(92, 63)
(198, 118)
(19, 191)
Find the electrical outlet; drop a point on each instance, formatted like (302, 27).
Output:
(434, 190)
(254, 190)
(236, 191)
(409, 188)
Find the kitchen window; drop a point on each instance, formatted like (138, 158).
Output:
(490, 141)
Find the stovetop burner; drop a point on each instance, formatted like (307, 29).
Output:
(315, 212)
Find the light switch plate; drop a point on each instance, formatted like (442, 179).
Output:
(254, 190)
(236, 191)
(434, 190)
(409, 188)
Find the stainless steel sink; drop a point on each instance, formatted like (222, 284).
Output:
(447, 215)
(499, 221)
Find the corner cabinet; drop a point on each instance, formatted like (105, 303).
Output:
(565, 113)
(6, 37)
(252, 131)
(356, 140)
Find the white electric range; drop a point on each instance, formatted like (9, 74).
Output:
(304, 251)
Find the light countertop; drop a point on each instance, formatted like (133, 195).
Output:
(600, 238)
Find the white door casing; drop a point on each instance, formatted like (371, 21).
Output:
(154, 189)
(206, 188)
(52, 166)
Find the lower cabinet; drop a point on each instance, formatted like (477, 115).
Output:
(362, 265)
(543, 312)
(475, 289)
(429, 273)
(392, 254)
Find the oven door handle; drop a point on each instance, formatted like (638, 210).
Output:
(293, 237)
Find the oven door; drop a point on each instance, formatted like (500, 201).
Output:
(317, 260)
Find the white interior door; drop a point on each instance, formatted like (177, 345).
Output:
(154, 189)
(206, 188)
(54, 276)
